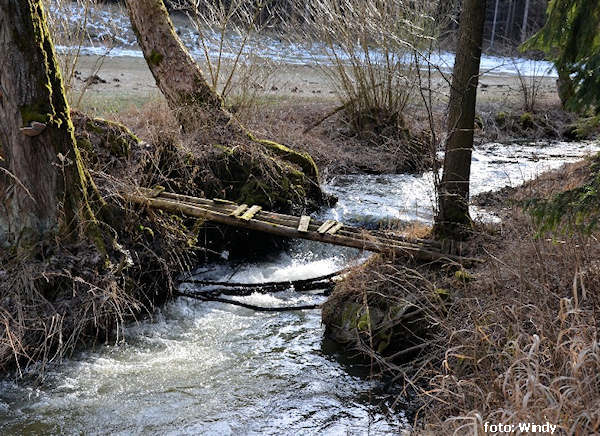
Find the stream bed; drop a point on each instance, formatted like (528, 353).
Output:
(215, 369)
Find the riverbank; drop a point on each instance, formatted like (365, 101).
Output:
(71, 291)
(193, 165)
(512, 340)
(288, 102)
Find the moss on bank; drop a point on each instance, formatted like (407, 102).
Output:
(385, 309)
(65, 294)
(575, 210)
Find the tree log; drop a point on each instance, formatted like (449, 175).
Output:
(292, 232)
(197, 106)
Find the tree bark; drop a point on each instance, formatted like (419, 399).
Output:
(197, 106)
(177, 75)
(493, 37)
(525, 21)
(564, 86)
(42, 185)
(453, 219)
(508, 26)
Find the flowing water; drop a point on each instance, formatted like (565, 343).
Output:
(215, 369)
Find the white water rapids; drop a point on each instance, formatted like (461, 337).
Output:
(214, 369)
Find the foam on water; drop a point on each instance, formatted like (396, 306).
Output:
(209, 368)
(369, 199)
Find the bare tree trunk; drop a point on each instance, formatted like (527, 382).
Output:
(494, 24)
(525, 20)
(508, 19)
(512, 17)
(176, 73)
(453, 219)
(564, 86)
(42, 183)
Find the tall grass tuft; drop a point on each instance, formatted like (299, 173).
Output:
(369, 49)
(522, 343)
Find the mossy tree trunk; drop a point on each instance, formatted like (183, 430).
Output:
(196, 105)
(42, 185)
(453, 219)
(564, 86)
(176, 73)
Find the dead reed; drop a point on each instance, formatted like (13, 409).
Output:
(514, 340)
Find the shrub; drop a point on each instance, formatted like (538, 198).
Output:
(231, 36)
(370, 48)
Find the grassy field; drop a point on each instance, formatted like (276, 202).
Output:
(283, 102)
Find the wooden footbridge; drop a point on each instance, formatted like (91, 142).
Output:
(332, 232)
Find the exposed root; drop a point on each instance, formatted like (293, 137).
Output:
(81, 293)
(46, 309)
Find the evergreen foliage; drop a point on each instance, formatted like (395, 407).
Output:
(571, 37)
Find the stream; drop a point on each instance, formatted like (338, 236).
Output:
(214, 369)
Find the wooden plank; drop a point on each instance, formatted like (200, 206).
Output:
(156, 191)
(222, 201)
(250, 213)
(335, 228)
(174, 206)
(239, 210)
(304, 223)
(326, 226)
(288, 220)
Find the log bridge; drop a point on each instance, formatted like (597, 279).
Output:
(252, 217)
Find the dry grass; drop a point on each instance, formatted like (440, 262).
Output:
(333, 146)
(63, 294)
(518, 339)
(504, 123)
(48, 307)
(521, 340)
(223, 165)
